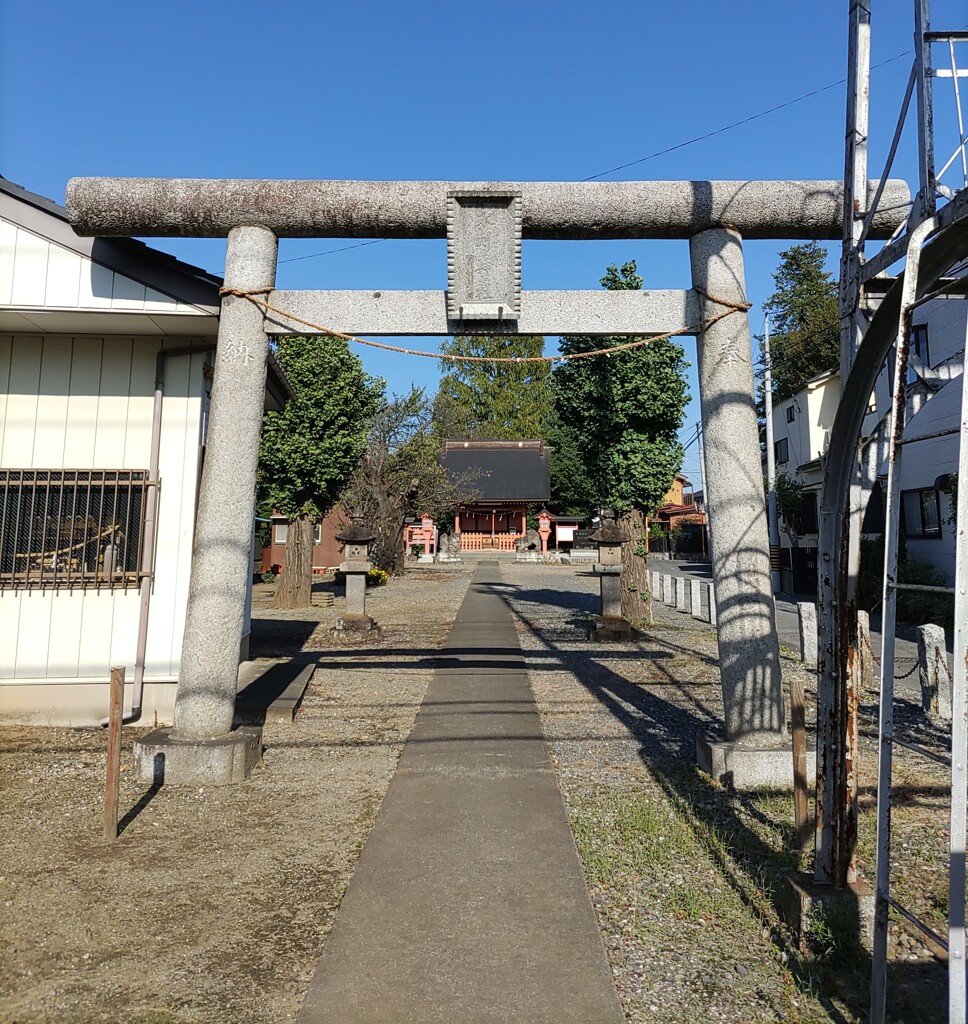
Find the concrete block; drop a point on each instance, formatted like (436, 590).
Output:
(612, 628)
(933, 673)
(271, 689)
(713, 615)
(682, 594)
(750, 768)
(356, 623)
(695, 593)
(848, 913)
(807, 627)
(668, 596)
(162, 759)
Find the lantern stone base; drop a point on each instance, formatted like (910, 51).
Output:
(355, 623)
(163, 759)
(747, 769)
(848, 913)
(611, 627)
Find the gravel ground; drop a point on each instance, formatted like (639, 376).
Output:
(685, 876)
(214, 904)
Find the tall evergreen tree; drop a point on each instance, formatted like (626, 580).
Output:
(805, 324)
(493, 401)
(618, 419)
(309, 450)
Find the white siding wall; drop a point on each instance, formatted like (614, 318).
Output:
(85, 403)
(922, 463)
(42, 274)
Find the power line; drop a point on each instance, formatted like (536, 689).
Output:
(657, 153)
(328, 252)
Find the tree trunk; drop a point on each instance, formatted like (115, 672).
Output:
(635, 576)
(296, 586)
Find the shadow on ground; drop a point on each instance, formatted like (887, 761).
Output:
(754, 869)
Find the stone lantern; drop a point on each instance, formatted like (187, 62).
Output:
(356, 539)
(610, 537)
(544, 529)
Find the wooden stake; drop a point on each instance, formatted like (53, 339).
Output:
(113, 782)
(801, 812)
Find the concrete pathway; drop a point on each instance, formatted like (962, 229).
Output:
(469, 904)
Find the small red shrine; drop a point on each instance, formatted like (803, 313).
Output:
(507, 477)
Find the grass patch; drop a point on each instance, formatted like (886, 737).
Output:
(637, 840)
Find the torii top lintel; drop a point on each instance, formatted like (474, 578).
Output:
(210, 208)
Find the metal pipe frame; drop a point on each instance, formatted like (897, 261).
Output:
(885, 754)
(834, 816)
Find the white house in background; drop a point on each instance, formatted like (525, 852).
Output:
(106, 349)
(801, 432)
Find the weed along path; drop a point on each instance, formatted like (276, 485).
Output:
(469, 902)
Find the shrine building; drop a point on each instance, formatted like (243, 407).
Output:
(506, 478)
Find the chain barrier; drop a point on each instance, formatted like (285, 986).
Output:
(877, 661)
(694, 329)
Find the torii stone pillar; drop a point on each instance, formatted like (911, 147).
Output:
(748, 648)
(202, 746)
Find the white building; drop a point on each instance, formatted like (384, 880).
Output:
(801, 432)
(106, 348)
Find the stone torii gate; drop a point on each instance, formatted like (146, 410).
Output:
(484, 224)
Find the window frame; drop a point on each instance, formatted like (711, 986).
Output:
(785, 458)
(934, 533)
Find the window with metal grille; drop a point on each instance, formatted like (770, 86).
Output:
(71, 528)
(781, 451)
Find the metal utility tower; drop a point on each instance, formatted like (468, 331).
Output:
(875, 313)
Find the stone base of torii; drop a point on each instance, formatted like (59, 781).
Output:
(484, 224)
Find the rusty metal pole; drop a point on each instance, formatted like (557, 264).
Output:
(801, 810)
(112, 785)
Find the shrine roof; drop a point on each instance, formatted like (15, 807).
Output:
(500, 470)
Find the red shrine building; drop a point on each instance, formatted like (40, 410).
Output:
(506, 478)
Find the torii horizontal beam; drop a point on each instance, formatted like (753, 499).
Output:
(211, 207)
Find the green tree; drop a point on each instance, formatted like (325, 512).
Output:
(399, 476)
(618, 421)
(309, 449)
(493, 401)
(805, 324)
(789, 504)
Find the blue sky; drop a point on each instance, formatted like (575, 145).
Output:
(459, 91)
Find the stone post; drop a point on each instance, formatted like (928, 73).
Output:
(749, 653)
(202, 748)
(807, 627)
(221, 559)
(867, 666)
(696, 603)
(682, 594)
(668, 596)
(934, 674)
